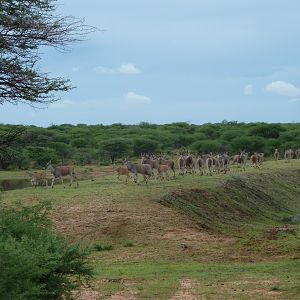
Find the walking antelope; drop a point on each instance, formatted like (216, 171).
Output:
(121, 171)
(60, 172)
(170, 163)
(289, 154)
(38, 178)
(181, 164)
(276, 155)
(163, 169)
(135, 169)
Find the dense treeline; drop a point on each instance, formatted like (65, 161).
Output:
(86, 144)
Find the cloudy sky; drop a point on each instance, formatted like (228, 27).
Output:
(166, 61)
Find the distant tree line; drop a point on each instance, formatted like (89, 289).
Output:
(87, 144)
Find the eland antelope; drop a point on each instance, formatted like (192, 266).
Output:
(60, 172)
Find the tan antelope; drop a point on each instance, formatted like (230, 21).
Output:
(254, 160)
(201, 163)
(163, 169)
(60, 172)
(145, 159)
(288, 155)
(122, 171)
(181, 164)
(38, 178)
(170, 163)
(261, 157)
(241, 159)
(276, 155)
(210, 164)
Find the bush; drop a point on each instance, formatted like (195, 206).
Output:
(42, 155)
(248, 143)
(144, 145)
(208, 146)
(35, 262)
(99, 247)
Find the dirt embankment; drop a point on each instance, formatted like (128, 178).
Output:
(237, 202)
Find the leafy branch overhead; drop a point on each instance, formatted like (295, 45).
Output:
(25, 26)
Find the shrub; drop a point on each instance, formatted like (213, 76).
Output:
(248, 143)
(35, 262)
(128, 244)
(208, 146)
(99, 247)
(144, 145)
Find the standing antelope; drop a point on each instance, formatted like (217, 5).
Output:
(163, 169)
(121, 171)
(276, 155)
(254, 160)
(144, 169)
(181, 164)
(289, 154)
(38, 178)
(60, 172)
(170, 163)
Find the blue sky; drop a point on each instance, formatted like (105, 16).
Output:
(166, 61)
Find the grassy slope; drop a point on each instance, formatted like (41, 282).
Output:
(212, 230)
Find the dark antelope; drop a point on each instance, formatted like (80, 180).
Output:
(144, 169)
(60, 172)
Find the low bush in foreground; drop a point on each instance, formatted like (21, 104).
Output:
(35, 262)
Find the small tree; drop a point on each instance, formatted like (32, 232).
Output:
(35, 262)
(144, 145)
(116, 148)
(25, 26)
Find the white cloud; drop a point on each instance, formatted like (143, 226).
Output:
(248, 90)
(104, 70)
(128, 69)
(133, 98)
(283, 88)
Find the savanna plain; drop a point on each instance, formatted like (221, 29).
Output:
(226, 236)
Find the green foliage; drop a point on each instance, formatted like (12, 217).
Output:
(144, 145)
(116, 147)
(84, 156)
(36, 263)
(208, 146)
(7, 158)
(128, 244)
(41, 155)
(248, 143)
(99, 247)
(88, 144)
(267, 130)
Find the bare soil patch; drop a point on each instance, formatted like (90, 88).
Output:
(185, 291)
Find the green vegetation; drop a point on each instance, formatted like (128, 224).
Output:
(99, 247)
(35, 262)
(216, 237)
(88, 144)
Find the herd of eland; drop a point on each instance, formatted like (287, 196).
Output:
(159, 167)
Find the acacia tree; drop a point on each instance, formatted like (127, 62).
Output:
(25, 26)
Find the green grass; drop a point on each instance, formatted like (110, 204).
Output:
(213, 231)
(160, 280)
